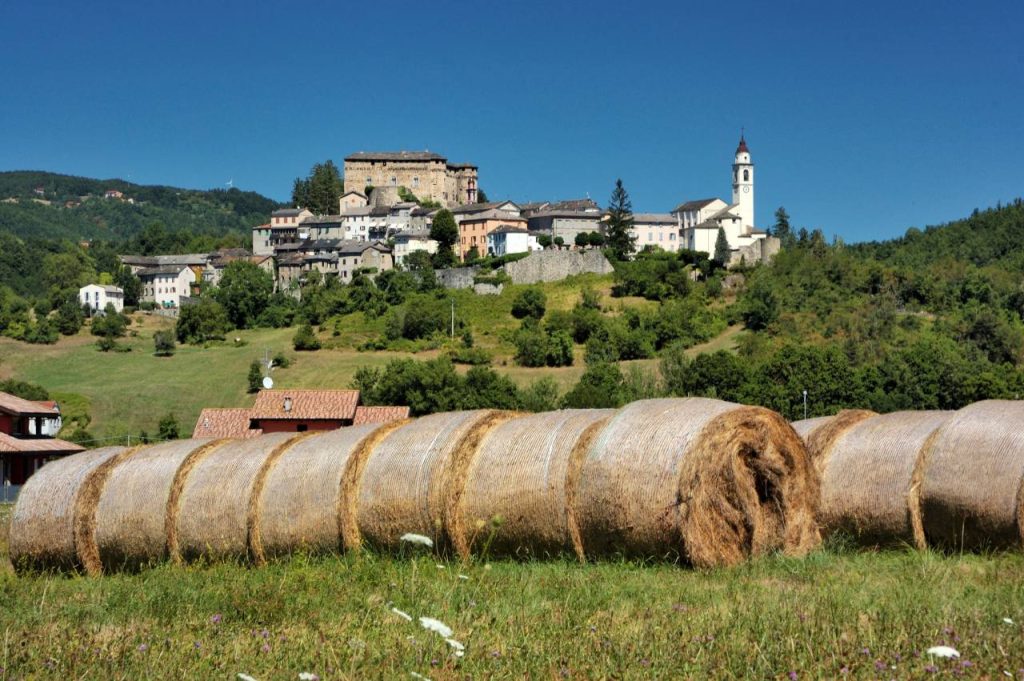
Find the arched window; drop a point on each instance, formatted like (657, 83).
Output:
(746, 175)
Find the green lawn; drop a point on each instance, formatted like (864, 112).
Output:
(870, 614)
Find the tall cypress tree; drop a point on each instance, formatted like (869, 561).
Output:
(722, 248)
(320, 191)
(618, 230)
(782, 229)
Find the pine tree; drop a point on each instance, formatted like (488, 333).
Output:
(782, 229)
(320, 191)
(255, 377)
(618, 231)
(722, 248)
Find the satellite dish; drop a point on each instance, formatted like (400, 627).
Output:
(268, 382)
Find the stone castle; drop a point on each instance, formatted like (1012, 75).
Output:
(427, 175)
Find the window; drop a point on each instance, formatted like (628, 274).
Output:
(746, 175)
(415, 182)
(301, 428)
(394, 181)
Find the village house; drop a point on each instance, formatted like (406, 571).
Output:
(564, 222)
(477, 221)
(26, 438)
(352, 199)
(427, 175)
(291, 411)
(332, 258)
(411, 241)
(655, 230)
(166, 285)
(506, 240)
(98, 296)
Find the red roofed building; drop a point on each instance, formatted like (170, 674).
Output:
(24, 447)
(218, 423)
(290, 411)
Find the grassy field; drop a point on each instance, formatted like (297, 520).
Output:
(832, 615)
(127, 392)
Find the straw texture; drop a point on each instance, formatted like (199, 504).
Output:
(212, 519)
(304, 503)
(868, 486)
(820, 433)
(406, 481)
(131, 515)
(699, 479)
(516, 500)
(971, 480)
(42, 530)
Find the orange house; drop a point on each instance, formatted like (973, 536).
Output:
(473, 230)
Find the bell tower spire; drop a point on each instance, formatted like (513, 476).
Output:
(743, 184)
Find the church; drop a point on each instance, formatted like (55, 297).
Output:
(700, 220)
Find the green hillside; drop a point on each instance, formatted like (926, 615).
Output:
(37, 204)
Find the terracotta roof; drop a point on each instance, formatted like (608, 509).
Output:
(225, 423)
(380, 414)
(743, 146)
(37, 444)
(11, 404)
(306, 404)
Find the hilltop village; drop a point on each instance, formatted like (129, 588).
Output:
(387, 208)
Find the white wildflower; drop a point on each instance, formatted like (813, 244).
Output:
(418, 676)
(1007, 672)
(441, 567)
(417, 539)
(245, 677)
(436, 626)
(943, 651)
(308, 676)
(404, 615)
(459, 649)
(1007, 620)
(463, 577)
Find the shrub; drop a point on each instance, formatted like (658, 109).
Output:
(163, 343)
(305, 339)
(529, 302)
(255, 378)
(202, 321)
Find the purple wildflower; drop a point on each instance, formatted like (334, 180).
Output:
(879, 665)
(265, 633)
(645, 662)
(143, 647)
(865, 651)
(844, 670)
(495, 653)
(931, 669)
(792, 676)
(966, 663)
(265, 648)
(216, 619)
(197, 645)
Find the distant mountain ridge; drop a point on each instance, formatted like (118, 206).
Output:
(56, 206)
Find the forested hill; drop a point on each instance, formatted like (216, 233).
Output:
(990, 237)
(50, 205)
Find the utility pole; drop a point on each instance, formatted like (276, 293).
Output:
(453, 318)
(805, 403)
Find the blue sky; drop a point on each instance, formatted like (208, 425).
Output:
(863, 118)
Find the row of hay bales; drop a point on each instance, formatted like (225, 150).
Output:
(945, 479)
(700, 480)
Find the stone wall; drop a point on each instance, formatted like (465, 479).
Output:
(761, 251)
(457, 277)
(556, 265)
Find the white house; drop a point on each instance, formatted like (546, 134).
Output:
(96, 296)
(506, 240)
(411, 241)
(167, 285)
(48, 426)
(655, 230)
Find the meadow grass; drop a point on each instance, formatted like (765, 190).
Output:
(835, 614)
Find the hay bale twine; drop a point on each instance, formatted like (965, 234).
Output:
(699, 479)
(54, 511)
(525, 474)
(413, 477)
(210, 518)
(971, 494)
(869, 481)
(308, 499)
(131, 516)
(819, 433)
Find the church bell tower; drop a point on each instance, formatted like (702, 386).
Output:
(743, 185)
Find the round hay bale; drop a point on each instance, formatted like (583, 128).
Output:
(707, 481)
(868, 484)
(820, 433)
(131, 516)
(47, 525)
(524, 474)
(308, 498)
(211, 516)
(971, 494)
(411, 479)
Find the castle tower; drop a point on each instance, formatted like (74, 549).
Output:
(743, 185)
